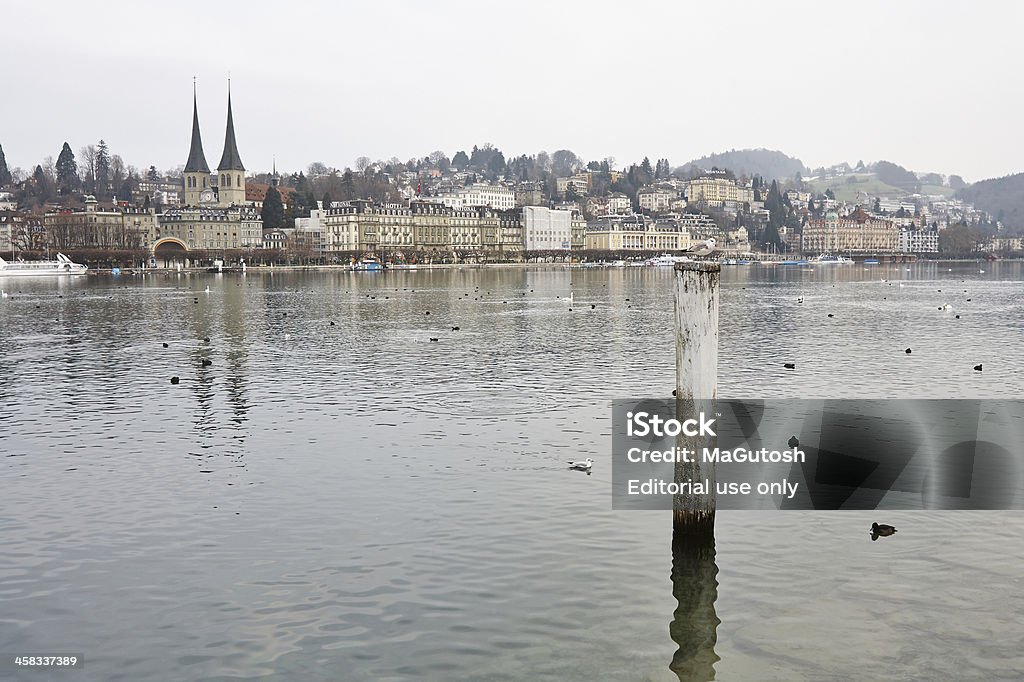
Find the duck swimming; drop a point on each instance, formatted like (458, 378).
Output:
(881, 530)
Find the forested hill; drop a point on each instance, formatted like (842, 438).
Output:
(1002, 198)
(769, 164)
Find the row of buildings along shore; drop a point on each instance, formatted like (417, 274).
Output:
(208, 211)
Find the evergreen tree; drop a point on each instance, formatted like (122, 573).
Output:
(878, 205)
(129, 185)
(152, 174)
(102, 171)
(327, 200)
(645, 168)
(42, 188)
(273, 210)
(496, 164)
(68, 181)
(5, 174)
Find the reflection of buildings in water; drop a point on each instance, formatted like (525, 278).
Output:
(694, 626)
(219, 437)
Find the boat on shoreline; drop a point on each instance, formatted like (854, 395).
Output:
(368, 264)
(666, 260)
(827, 259)
(42, 268)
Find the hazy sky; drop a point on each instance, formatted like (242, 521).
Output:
(932, 86)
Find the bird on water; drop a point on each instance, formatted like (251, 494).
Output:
(881, 530)
(585, 465)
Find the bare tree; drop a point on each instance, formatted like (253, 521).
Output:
(362, 163)
(87, 167)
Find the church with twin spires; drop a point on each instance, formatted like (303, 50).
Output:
(224, 188)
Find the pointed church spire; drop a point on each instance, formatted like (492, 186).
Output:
(196, 159)
(230, 159)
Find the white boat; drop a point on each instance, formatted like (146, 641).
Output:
(38, 268)
(368, 264)
(666, 260)
(825, 259)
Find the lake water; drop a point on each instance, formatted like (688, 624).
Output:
(356, 502)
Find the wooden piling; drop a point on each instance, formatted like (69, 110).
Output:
(696, 313)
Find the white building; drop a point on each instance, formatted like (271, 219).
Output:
(918, 241)
(619, 204)
(546, 230)
(479, 194)
(7, 202)
(655, 200)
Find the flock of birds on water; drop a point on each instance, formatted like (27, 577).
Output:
(586, 465)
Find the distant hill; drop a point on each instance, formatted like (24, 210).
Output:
(897, 176)
(769, 164)
(1002, 198)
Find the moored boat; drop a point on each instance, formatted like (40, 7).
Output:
(368, 264)
(666, 260)
(826, 259)
(38, 268)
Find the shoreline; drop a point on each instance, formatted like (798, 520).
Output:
(262, 269)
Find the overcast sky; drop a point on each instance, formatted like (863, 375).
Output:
(931, 86)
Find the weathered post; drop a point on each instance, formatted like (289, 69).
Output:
(696, 306)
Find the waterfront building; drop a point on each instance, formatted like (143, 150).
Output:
(637, 233)
(210, 228)
(8, 222)
(546, 229)
(98, 226)
(918, 240)
(857, 233)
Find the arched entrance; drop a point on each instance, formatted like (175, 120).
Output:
(170, 251)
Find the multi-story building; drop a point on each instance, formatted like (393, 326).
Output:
(699, 225)
(637, 233)
(210, 228)
(546, 229)
(655, 200)
(309, 232)
(99, 226)
(580, 183)
(142, 222)
(857, 233)
(529, 194)
(479, 194)
(8, 228)
(718, 192)
(619, 204)
(420, 226)
(162, 191)
(913, 240)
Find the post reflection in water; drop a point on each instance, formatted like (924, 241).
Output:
(694, 626)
